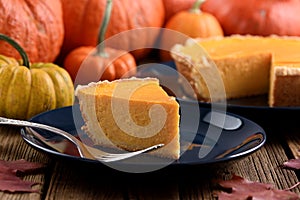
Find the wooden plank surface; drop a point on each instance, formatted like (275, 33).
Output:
(293, 140)
(176, 183)
(12, 147)
(75, 180)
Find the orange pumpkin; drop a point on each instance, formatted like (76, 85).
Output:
(192, 23)
(174, 6)
(256, 17)
(87, 64)
(35, 25)
(84, 66)
(82, 21)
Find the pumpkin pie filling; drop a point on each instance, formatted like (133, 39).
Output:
(244, 63)
(131, 114)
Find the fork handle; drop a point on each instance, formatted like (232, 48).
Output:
(16, 122)
(60, 132)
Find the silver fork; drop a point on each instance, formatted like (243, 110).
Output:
(84, 150)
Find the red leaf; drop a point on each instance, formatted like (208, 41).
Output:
(292, 164)
(244, 189)
(17, 186)
(8, 176)
(5, 170)
(9, 180)
(20, 165)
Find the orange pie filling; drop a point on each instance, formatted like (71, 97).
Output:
(131, 114)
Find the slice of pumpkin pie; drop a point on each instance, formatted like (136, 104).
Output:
(131, 114)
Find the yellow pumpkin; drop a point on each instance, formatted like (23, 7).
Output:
(4, 60)
(27, 90)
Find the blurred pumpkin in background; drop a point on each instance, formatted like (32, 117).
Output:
(36, 25)
(174, 6)
(256, 17)
(192, 23)
(90, 64)
(82, 21)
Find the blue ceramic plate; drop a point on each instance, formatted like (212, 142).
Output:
(242, 140)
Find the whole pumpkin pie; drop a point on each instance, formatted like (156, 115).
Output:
(131, 114)
(243, 65)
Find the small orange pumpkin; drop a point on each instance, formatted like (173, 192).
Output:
(87, 64)
(174, 6)
(193, 23)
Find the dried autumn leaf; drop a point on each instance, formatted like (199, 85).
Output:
(9, 176)
(19, 166)
(241, 188)
(292, 164)
(14, 184)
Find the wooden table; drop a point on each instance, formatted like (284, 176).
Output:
(74, 180)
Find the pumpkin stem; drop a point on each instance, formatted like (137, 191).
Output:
(21, 51)
(196, 6)
(103, 28)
